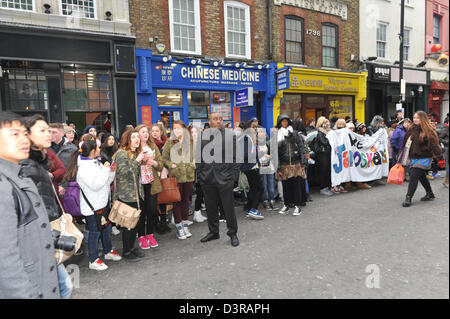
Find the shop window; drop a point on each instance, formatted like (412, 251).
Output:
(329, 45)
(436, 29)
(237, 30)
(78, 8)
(381, 40)
(185, 33)
(169, 97)
(340, 106)
(198, 105)
(293, 28)
(26, 90)
(221, 103)
(26, 5)
(87, 90)
(291, 104)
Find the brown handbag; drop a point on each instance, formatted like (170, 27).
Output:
(170, 192)
(122, 214)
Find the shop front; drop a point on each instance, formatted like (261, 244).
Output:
(314, 93)
(188, 89)
(437, 99)
(82, 77)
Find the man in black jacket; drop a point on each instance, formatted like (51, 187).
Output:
(217, 170)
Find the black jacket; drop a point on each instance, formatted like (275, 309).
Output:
(212, 172)
(292, 150)
(320, 144)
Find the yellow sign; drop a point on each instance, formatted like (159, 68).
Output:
(323, 83)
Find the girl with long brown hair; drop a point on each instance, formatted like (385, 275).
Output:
(424, 146)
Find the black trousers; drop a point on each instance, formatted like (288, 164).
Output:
(292, 191)
(214, 194)
(324, 162)
(149, 215)
(129, 236)
(256, 189)
(416, 175)
(198, 197)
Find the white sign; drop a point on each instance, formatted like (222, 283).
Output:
(357, 158)
(332, 7)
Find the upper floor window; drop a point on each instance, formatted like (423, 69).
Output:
(381, 40)
(436, 29)
(184, 18)
(17, 4)
(237, 30)
(329, 45)
(406, 44)
(294, 44)
(78, 8)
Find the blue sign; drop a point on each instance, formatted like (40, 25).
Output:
(283, 79)
(244, 97)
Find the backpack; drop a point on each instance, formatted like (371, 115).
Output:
(72, 199)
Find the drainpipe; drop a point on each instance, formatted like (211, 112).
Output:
(269, 16)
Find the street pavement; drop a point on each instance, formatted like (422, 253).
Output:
(327, 252)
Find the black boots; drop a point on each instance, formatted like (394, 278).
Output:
(407, 201)
(162, 227)
(428, 197)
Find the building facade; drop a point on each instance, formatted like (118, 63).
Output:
(71, 61)
(380, 53)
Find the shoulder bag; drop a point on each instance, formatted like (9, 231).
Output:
(170, 192)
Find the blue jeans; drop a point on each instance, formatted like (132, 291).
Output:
(94, 235)
(269, 187)
(306, 183)
(65, 282)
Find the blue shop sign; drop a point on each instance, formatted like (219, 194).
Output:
(182, 75)
(244, 97)
(283, 78)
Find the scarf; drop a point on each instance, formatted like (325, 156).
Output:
(284, 132)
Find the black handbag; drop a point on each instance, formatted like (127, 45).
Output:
(101, 215)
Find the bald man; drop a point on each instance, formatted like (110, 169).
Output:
(217, 177)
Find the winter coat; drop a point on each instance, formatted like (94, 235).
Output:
(320, 144)
(95, 180)
(291, 149)
(421, 149)
(397, 138)
(185, 170)
(374, 125)
(27, 255)
(57, 168)
(65, 153)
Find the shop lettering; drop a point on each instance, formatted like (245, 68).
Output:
(217, 74)
(358, 159)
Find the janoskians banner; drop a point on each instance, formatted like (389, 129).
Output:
(358, 158)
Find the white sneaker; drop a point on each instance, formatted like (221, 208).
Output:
(284, 210)
(113, 255)
(180, 231)
(98, 265)
(203, 206)
(187, 233)
(188, 222)
(297, 211)
(198, 218)
(115, 231)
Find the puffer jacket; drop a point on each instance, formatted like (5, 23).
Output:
(397, 138)
(292, 150)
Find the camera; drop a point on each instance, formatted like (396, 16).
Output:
(66, 243)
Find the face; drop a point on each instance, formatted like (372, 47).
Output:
(284, 123)
(135, 141)
(352, 128)
(110, 141)
(143, 134)
(56, 134)
(194, 132)
(399, 115)
(72, 125)
(406, 124)
(341, 126)
(93, 132)
(254, 125)
(326, 124)
(416, 119)
(14, 142)
(178, 130)
(216, 121)
(70, 135)
(40, 135)
(156, 132)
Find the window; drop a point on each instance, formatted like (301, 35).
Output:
(184, 18)
(406, 44)
(237, 30)
(381, 40)
(26, 90)
(87, 90)
(169, 97)
(293, 28)
(78, 8)
(221, 103)
(436, 29)
(329, 45)
(17, 4)
(198, 105)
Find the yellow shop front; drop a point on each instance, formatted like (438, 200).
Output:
(314, 93)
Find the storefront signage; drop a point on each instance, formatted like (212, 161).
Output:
(146, 115)
(244, 97)
(318, 83)
(410, 76)
(381, 73)
(282, 79)
(332, 7)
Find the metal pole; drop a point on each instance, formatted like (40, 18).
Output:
(402, 27)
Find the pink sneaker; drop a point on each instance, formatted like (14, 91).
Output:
(143, 243)
(152, 241)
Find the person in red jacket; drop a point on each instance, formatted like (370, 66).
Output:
(56, 171)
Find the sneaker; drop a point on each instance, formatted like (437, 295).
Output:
(430, 177)
(198, 218)
(137, 253)
(247, 211)
(203, 206)
(335, 190)
(222, 220)
(130, 257)
(253, 213)
(98, 265)
(151, 241)
(326, 192)
(438, 175)
(115, 231)
(272, 205)
(180, 231)
(113, 255)
(284, 210)
(297, 211)
(143, 243)
(266, 205)
(187, 233)
(342, 189)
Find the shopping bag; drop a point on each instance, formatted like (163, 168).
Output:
(396, 175)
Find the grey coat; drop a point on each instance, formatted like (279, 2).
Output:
(27, 254)
(65, 153)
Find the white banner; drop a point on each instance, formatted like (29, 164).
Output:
(358, 158)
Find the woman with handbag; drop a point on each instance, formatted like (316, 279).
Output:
(181, 165)
(322, 149)
(424, 145)
(128, 161)
(152, 186)
(94, 179)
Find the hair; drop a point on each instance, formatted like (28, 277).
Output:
(183, 125)
(105, 148)
(58, 126)
(339, 122)
(150, 141)
(125, 143)
(37, 155)
(7, 118)
(161, 129)
(85, 149)
(311, 120)
(87, 137)
(320, 121)
(428, 130)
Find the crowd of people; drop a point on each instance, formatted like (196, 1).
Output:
(39, 160)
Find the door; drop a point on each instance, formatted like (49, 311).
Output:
(126, 103)
(54, 100)
(247, 113)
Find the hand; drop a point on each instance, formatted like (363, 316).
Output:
(107, 165)
(173, 166)
(154, 163)
(140, 157)
(51, 176)
(61, 190)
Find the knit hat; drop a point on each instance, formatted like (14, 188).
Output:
(359, 126)
(87, 128)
